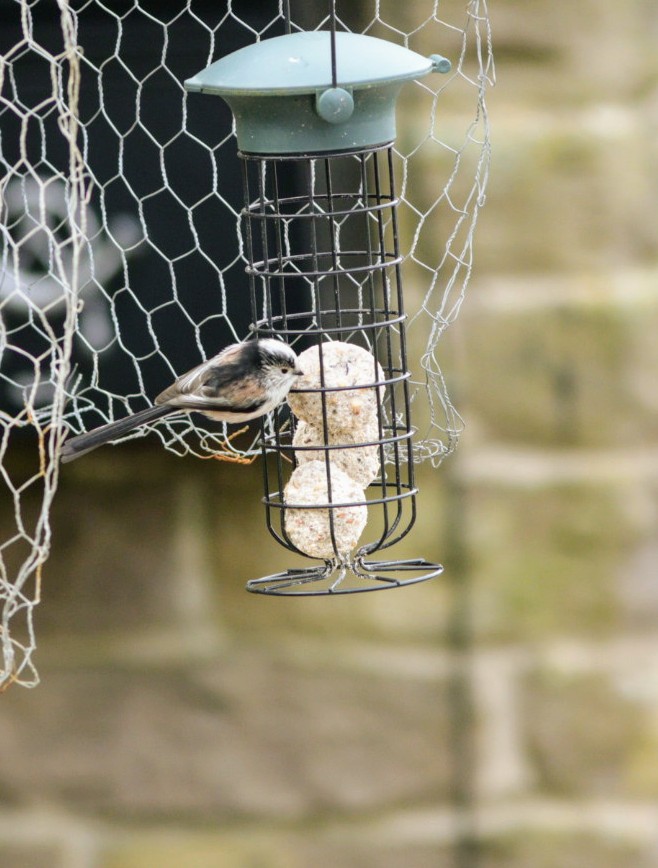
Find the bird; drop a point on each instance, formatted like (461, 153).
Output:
(242, 382)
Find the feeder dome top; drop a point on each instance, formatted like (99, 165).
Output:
(301, 63)
(285, 101)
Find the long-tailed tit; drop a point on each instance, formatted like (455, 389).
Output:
(241, 383)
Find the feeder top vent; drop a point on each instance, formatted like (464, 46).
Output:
(301, 63)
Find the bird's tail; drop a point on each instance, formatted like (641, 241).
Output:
(83, 443)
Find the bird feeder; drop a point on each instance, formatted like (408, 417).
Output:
(315, 122)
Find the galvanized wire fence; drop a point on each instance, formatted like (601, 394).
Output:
(122, 256)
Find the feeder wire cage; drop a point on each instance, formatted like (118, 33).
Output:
(336, 246)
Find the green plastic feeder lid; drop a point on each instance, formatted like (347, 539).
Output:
(280, 91)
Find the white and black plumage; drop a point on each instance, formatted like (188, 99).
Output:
(244, 381)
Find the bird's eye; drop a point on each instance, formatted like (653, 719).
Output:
(285, 370)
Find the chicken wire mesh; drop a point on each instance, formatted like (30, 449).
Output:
(122, 255)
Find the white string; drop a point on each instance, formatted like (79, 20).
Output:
(52, 315)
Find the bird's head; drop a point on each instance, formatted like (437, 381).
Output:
(278, 358)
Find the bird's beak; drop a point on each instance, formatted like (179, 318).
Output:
(298, 372)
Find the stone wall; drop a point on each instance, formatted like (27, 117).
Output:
(504, 716)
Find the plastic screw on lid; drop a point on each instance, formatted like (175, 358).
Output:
(335, 105)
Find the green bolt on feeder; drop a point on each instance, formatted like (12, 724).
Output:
(324, 264)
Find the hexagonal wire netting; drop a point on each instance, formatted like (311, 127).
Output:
(122, 256)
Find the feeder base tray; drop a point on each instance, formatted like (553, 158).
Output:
(355, 578)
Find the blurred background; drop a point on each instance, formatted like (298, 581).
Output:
(505, 714)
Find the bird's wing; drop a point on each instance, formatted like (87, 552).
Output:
(205, 380)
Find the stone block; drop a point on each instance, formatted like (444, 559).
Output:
(547, 849)
(34, 855)
(277, 850)
(200, 850)
(250, 733)
(129, 546)
(563, 54)
(355, 848)
(545, 557)
(573, 367)
(571, 192)
(568, 54)
(584, 733)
